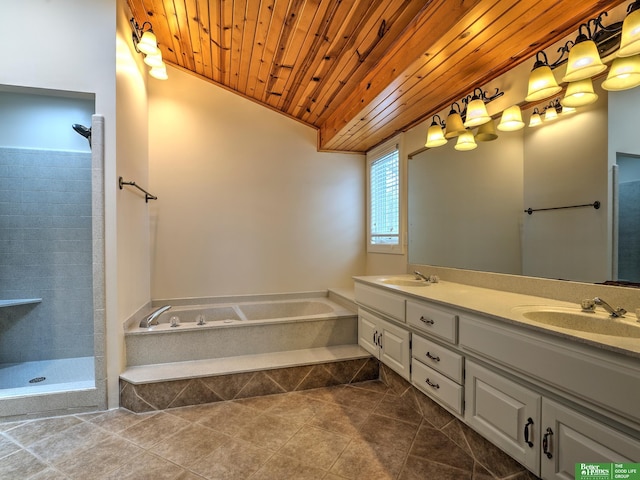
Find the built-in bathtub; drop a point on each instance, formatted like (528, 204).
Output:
(247, 346)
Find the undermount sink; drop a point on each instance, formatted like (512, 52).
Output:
(404, 282)
(575, 319)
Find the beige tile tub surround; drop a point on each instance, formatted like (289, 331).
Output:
(374, 430)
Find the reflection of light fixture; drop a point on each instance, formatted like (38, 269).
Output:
(476, 110)
(144, 41)
(624, 74)
(511, 119)
(454, 126)
(630, 38)
(535, 119)
(435, 135)
(486, 132)
(567, 110)
(584, 59)
(466, 142)
(579, 94)
(542, 83)
(550, 114)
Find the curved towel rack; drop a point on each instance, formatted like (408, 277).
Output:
(595, 205)
(147, 195)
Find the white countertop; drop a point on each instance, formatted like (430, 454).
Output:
(506, 307)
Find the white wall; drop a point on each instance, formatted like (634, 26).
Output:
(566, 164)
(246, 204)
(69, 45)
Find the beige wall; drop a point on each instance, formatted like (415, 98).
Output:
(246, 204)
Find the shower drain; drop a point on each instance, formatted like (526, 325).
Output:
(37, 380)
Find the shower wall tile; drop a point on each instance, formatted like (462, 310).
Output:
(46, 251)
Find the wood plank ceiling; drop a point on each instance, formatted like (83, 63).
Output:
(358, 71)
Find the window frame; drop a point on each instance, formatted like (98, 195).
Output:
(372, 156)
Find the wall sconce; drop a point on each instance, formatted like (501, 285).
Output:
(511, 119)
(623, 74)
(535, 119)
(579, 94)
(476, 111)
(630, 39)
(454, 126)
(584, 60)
(435, 134)
(466, 142)
(486, 132)
(144, 41)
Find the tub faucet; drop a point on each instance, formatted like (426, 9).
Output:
(152, 319)
(614, 313)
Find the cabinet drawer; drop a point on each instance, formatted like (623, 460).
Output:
(437, 386)
(437, 357)
(377, 299)
(437, 322)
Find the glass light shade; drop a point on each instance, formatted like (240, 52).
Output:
(542, 84)
(486, 132)
(511, 119)
(148, 43)
(535, 120)
(159, 72)
(454, 126)
(579, 94)
(435, 136)
(630, 38)
(624, 74)
(584, 62)
(550, 114)
(465, 142)
(154, 60)
(568, 110)
(476, 113)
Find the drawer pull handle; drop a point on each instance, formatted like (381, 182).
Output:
(427, 321)
(435, 358)
(526, 432)
(545, 443)
(431, 384)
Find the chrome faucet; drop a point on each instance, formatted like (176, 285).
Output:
(420, 276)
(152, 319)
(613, 312)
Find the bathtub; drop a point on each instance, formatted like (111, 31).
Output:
(239, 327)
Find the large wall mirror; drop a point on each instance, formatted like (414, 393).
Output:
(467, 209)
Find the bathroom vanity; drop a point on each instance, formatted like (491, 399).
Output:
(547, 383)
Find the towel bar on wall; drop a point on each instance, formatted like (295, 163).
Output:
(147, 195)
(595, 205)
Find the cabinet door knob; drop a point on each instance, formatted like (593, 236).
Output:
(427, 321)
(431, 384)
(526, 432)
(545, 443)
(435, 358)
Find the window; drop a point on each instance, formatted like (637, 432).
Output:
(383, 223)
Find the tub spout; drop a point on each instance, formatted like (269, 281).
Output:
(152, 319)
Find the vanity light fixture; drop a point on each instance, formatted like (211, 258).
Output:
(630, 38)
(535, 119)
(435, 135)
(144, 41)
(550, 114)
(579, 94)
(486, 132)
(466, 142)
(454, 126)
(623, 74)
(511, 119)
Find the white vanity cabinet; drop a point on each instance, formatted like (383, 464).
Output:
(386, 341)
(385, 302)
(569, 437)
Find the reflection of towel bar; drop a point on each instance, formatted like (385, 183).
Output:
(147, 195)
(595, 205)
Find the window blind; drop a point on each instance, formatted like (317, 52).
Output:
(385, 199)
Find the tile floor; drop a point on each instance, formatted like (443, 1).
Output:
(358, 431)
